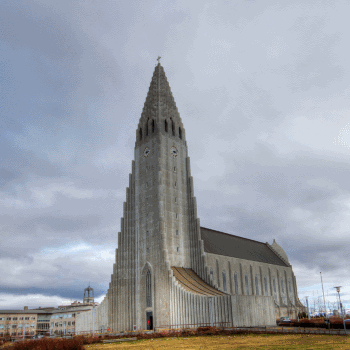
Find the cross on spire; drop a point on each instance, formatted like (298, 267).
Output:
(158, 59)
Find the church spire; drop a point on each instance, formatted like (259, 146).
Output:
(160, 104)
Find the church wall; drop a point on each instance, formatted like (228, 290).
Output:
(286, 300)
(84, 320)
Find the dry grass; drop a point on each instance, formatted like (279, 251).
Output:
(288, 341)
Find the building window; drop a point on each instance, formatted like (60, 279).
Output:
(282, 285)
(146, 184)
(274, 289)
(147, 249)
(175, 169)
(180, 133)
(14, 318)
(33, 318)
(256, 285)
(290, 286)
(212, 273)
(69, 323)
(9, 318)
(224, 280)
(165, 126)
(14, 326)
(177, 232)
(235, 277)
(173, 127)
(175, 200)
(265, 283)
(246, 285)
(177, 249)
(73, 323)
(175, 183)
(176, 216)
(153, 127)
(148, 289)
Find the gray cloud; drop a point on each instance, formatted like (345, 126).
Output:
(262, 89)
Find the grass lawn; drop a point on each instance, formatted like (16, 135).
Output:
(252, 341)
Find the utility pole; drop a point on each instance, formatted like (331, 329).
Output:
(324, 300)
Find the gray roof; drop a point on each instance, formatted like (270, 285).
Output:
(221, 243)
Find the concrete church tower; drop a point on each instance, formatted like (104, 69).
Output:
(160, 228)
(169, 271)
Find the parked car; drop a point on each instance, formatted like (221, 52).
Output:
(284, 321)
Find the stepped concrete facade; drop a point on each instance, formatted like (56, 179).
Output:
(170, 271)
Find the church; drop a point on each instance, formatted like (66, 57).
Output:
(170, 272)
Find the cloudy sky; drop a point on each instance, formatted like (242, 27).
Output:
(263, 91)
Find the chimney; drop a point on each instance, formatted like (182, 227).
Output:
(26, 308)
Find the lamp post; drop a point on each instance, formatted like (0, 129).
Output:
(341, 306)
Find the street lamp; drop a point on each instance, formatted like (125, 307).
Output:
(341, 306)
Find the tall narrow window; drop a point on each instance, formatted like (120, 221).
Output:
(147, 127)
(224, 280)
(265, 283)
(235, 277)
(173, 127)
(153, 126)
(290, 286)
(212, 273)
(256, 285)
(148, 289)
(165, 126)
(282, 285)
(274, 289)
(180, 133)
(246, 285)
(140, 132)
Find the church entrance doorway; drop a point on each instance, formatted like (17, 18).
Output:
(149, 320)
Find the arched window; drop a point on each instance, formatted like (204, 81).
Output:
(282, 285)
(224, 280)
(153, 126)
(180, 133)
(265, 283)
(274, 289)
(256, 285)
(173, 127)
(212, 272)
(246, 285)
(235, 277)
(140, 132)
(165, 126)
(290, 286)
(148, 289)
(147, 127)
